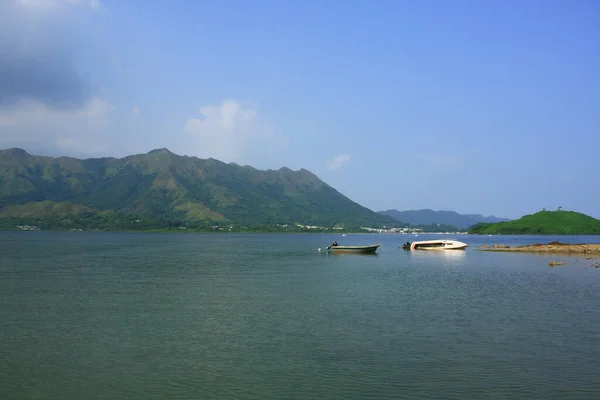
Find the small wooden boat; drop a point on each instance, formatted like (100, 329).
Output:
(444, 244)
(354, 249)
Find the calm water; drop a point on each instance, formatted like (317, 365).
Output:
(151, 316)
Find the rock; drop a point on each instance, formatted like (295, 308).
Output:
(555, 263)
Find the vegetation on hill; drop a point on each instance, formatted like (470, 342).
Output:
(160, 189)
(544, 223)
(430, 217)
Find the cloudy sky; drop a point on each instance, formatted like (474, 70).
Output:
(477, 107)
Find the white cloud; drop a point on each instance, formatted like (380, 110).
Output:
(50, 4)
(45, 3)
(231, 132)
(48, 104)
(95, 4)
(338, 162)
(32, 123)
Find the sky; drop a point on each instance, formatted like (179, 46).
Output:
(478, 107)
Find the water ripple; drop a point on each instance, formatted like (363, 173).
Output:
(112, 316)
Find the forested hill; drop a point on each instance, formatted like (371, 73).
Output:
(161, 188)
(544, 223)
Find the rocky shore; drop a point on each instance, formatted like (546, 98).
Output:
(588, 250)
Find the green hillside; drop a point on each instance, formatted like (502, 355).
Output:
(543, 223)
(161, 189)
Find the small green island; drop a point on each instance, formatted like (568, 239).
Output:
(559, 222)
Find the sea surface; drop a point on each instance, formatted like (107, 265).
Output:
(267, 316)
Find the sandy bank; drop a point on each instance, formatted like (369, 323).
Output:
(587, 250)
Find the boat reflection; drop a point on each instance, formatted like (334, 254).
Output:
(349, 253)
(454, 255)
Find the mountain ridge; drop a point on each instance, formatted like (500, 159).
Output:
(442, 217)
(161, 185)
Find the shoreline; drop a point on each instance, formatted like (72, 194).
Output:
(558, 248)
(221, 231)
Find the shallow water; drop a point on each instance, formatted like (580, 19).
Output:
(148, 316)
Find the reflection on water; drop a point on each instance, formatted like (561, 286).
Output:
(440, 253)
(446, 255)
(349, 253)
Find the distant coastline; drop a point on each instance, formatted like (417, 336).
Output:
(217, 230)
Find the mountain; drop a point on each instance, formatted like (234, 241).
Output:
(429, 217)
(160, 188)
(544, 223)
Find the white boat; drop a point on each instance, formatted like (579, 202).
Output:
(443, 244)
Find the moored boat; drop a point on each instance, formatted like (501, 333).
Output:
(354, 249)
(443, 244)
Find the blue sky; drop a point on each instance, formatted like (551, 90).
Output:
(478, 107)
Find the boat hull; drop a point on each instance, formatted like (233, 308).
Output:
(355, 249)
(440, 248)
(437, 245)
